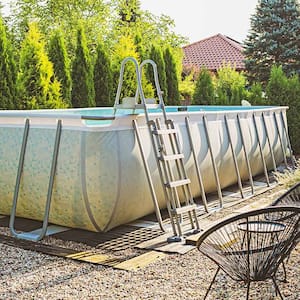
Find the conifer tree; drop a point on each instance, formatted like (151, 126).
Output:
(58, 56)
(273, 39)
(204, 91)
(171, 78)
(103, 78)
(7, 72)
(157, 56)
(83, 93)
(37, 87)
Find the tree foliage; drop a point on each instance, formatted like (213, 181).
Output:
(59, 57)
(53, 14)
(172, 80)
(273, 39)
(37, 87)
(103, 78)
(7, 71)
(204, 91)
(83, 93)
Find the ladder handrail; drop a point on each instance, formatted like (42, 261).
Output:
(121, 78)
(159, 92)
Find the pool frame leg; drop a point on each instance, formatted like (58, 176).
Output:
(213, 161)
(261, 151)
(288, 140)
(237, 171)
(246, 154)
(269, 142)
(280, 139)
(40, 233)
(199, 176)
(149, 178)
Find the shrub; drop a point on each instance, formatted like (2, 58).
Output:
(230, 86)
(255, 95)
(204, 91)
(286, 91)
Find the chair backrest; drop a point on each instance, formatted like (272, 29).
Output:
(290, 197)
(252, 245)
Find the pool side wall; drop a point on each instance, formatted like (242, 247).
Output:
(100, 180)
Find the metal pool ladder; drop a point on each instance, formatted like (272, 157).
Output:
(169, 158)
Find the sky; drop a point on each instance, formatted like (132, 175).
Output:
(199, 19)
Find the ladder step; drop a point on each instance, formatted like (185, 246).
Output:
(183, 209)
(176, 183)
(171, 157)
(164, 131)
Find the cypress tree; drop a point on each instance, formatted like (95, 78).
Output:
(103, 78)
(83, 93)
(37, 87)
(171, 78)
(7, 72)
(204, 91)
(277, 87)
(58, 56)
(273, 39)
(157, 56)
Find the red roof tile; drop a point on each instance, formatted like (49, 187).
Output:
(212, 52)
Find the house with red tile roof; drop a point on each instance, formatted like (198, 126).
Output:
(212, 53)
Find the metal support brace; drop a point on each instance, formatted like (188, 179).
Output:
(269, 142)
(199, 176)
(152, 190)
(280, 139)
(213, 161)
(261, 151)
(237, 171)
(288, 140)
(37, 234)
(246, 154)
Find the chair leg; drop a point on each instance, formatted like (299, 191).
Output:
(213, 280)
(276, 288)
(248, 288)
(284, 272)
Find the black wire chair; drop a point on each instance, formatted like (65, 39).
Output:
(290, 197)
(251, 246)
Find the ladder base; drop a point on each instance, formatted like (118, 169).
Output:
(177, 238)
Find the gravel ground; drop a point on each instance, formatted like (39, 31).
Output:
(30, 275)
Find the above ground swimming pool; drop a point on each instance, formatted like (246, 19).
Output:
(100, 180)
